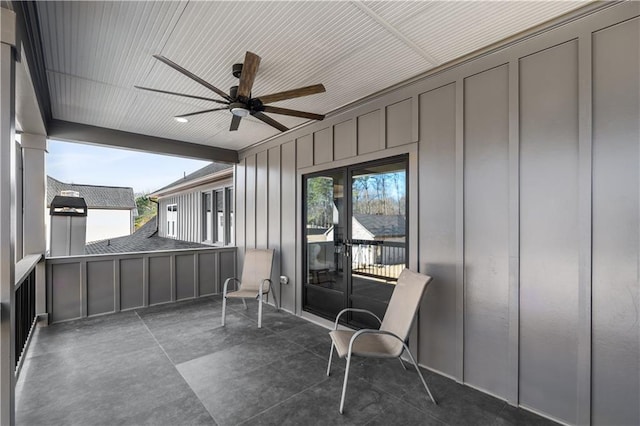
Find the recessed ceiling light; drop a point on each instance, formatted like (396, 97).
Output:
(181, 119)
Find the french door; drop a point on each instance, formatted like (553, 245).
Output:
(355, 233)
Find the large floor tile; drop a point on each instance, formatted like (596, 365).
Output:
(238, 398)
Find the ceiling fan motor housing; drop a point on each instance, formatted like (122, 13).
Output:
(236, 70)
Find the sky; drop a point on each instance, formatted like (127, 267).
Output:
(96, 165)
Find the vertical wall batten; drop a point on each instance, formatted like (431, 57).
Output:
(513, 351)
(459, 226)
(584, 229)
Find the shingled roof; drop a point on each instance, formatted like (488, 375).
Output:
(382, 225)
(144, 239)
(96, 197)
(200, 173)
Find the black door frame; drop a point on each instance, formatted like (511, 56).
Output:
(347, 213)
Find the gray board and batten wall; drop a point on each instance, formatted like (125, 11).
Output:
(524, 207)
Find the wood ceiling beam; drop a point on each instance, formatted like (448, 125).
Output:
(83, 133)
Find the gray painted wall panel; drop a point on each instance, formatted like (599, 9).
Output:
(344, 140)
(486, 221)
(616, 201)
(262, 213)
(369, 137)
(185, 276)
(100, 289)
(274, 212)
(399, 126)
(65, 295)
(304, 151)
(323, 146)
(437, 228)
(288, 224)
(207, 282)
(131, 278)
(159, 279)
(250, 203)
(549, 230)
(240, 209)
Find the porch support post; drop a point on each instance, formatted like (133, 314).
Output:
(34, 148)
(7, 216)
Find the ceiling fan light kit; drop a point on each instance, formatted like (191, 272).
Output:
(239, 101)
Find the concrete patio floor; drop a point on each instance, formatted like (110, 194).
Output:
(175, 365)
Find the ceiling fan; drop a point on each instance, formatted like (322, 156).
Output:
(239, 100)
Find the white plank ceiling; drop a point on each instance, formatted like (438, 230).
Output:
(95, 52)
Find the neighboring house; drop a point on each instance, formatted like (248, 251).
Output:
(199, 207)
(144, 238)
(111, 210)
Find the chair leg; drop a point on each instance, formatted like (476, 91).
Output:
(224, 308)
(244, 303)
(344, 385)
(402, 363)
(424, 383)
(260, 311)
(330, 356)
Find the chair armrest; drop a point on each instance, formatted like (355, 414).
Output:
(262, 285)
(335, 326)
(226, 283)
(370, 331)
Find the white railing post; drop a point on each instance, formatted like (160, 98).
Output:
(7, 216)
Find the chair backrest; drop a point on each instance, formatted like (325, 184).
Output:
(404, 303)
(257, 267)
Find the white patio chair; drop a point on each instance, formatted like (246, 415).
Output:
(390, 341)
(255, 282)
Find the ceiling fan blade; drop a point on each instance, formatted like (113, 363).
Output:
(192, 76)
(292, 112)
(235, 123)
(295, 93)
(270, 121)
(249, 70)
(199, 112)
(181, 94)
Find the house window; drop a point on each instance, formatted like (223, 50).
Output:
(218, 216)
(207, 207)
(172, 218)
(229, 203)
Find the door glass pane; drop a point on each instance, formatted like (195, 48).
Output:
(378, 236)
(324, 233)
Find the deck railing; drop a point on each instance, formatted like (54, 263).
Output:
(378, 259)
(25, 305)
